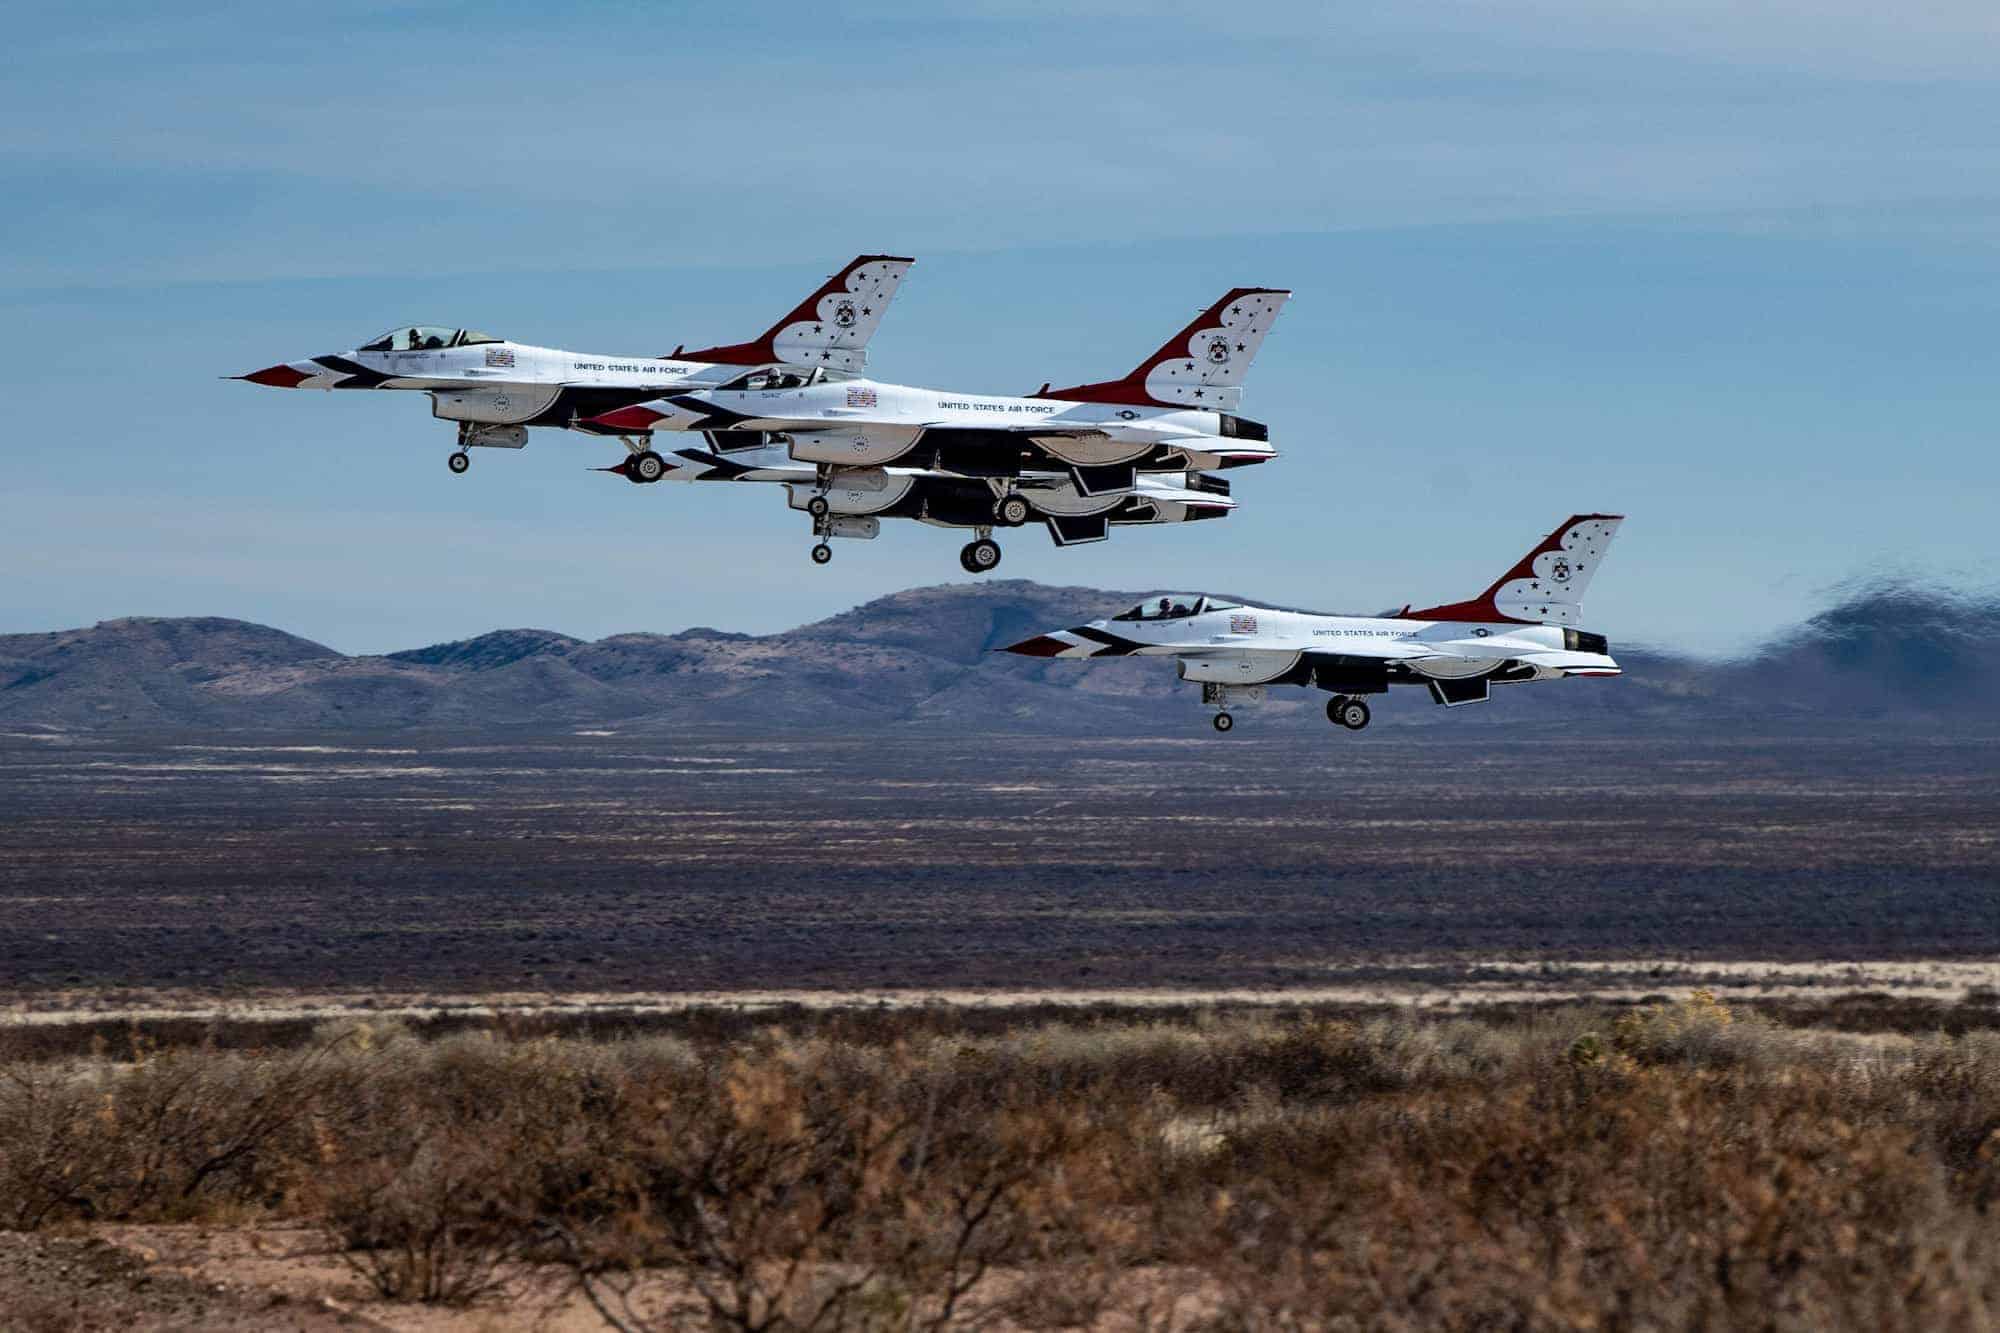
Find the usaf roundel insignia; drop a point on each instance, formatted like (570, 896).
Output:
(843, 314)
(1218, 350)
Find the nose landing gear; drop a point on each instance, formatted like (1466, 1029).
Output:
(459, 462)
(1223, 722)
(1343, 711)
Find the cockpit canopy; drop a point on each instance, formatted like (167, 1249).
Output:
(425, 338)
(785, 377)
(1176, 607)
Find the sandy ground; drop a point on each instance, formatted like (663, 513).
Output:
(1420, 983)
(150, 1279)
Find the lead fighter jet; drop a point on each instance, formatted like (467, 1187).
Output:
(1071, 458)
(1522, 628)
(495, 389)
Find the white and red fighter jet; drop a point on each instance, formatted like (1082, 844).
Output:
(495, 389)
(1522, 628)
(1070, 458)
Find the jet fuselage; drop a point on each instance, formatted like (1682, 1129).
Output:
(857, 422)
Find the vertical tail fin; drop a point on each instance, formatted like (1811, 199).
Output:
(829, 328)
(1201, 366)
(1546, 586)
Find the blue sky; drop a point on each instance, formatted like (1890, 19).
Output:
(1731, 269)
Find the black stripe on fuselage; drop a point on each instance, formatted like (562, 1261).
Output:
(719, 469)
(1114, 646)
(575, 405)
(358, 375)
(713, 417)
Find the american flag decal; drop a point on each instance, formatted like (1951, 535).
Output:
(1242, 624)
(500, 357)
(861, 398)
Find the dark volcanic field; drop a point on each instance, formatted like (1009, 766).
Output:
(626, 863)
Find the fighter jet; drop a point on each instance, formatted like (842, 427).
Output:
(495, 389)
(863, 497)
(1174, 413)
(1522, 628)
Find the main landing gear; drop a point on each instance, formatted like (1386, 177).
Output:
(981, 555)
(1011, 511)
(645, 466)
(459, 462)
(1347, 712)
(1224, 721)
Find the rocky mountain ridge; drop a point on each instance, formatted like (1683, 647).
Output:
(1891, 654)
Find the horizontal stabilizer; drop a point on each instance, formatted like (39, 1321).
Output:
(1076, 529)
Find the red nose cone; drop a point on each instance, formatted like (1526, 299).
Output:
(629, 418)
(277, 377)
(1039, 646)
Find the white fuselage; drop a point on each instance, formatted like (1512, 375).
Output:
(1253, 645)
(866, 423)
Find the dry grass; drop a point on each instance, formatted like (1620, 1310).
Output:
(1682, 1164)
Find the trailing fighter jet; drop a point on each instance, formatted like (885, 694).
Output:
(862, 497)
(1174, 413)
(495, 389)
(1522, 628)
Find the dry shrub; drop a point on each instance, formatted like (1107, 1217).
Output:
(1674, 1165)
(823, 1187)
(434, 1223)
(1673, 1199)
(169, 1136)
(55, 1146)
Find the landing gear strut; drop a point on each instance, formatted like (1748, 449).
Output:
(1224, 721)
(459, 462)
(981, 555)
(1343, 711)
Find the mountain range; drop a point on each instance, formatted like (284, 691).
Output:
(1891, 654)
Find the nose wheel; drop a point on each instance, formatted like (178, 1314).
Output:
(822, 553)
(1223, 722)
(459, 462)
(980, 556)
(817, 506)
(1345, 712)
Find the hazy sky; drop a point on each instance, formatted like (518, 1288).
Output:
(1732, 269)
